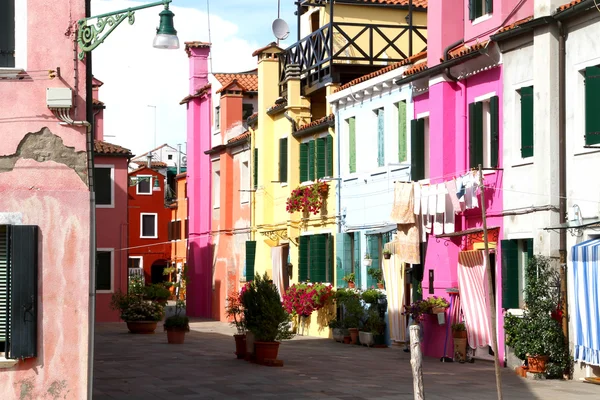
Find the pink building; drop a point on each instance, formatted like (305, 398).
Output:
(458, 112)
(111, 184)
(200, 254)
(45, 204)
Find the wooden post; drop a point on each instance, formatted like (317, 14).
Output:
(491, 298)
(416, 360)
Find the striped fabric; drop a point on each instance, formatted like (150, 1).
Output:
(455, 311)
(584, 289)
(474, 291)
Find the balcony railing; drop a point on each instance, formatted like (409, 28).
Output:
(340, 43)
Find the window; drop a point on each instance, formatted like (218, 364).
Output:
(245, 182)
(483, 133)
(148, 226)
(402, 131)
(592, 99)
(283, 158)
(169, 156)
(374, 250)
(247, 110)
(479, 8)
(316, 159)
(351, 144)
(515, 257)
(216, 185)
(526, 94)
(104, 270)
(187, 228)
(315, 258)
(217, 117)
(174, 230)
(13, 34)
(144, 184)
(135, 262)
(104, 186)
(380, 137)
(419, 148)
(18, 291)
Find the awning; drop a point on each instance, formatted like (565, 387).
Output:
(375, 229)
(385, 229)
(585, 223)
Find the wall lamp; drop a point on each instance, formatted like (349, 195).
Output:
(91, 36)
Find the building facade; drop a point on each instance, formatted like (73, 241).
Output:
(178, 231)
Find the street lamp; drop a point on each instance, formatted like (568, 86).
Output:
(91, 36)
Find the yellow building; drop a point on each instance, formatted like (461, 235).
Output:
(293, 137)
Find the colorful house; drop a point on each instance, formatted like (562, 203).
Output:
(200, 252)
(237, 97)
(111, 186)
(295, 123)
(551, 138)
(45, 245)
(178, 229)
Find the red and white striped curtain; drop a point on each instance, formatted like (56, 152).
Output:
(474, 292)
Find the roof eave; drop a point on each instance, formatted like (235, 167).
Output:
(439, 68)
(215, 150)
(574, 10)
(330, 123)
(522, 29)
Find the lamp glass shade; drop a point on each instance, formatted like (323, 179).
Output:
(156, 187)
(166, 35)
(166, 42)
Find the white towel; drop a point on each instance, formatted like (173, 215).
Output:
(417, 201)
(451, 188)
(424, 200)
(432, 200)
(468, 195)
(449, 213)
(438, 224)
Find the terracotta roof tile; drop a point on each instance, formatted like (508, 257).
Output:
(248, 81)
(515, 24)
(569, 5)
(253, 119)
(384, 70)
(270, 45)
(316, 122)
(277, 107)
(97, 102)
(464, 50)
(238, 138)
(101, 147)
(416, 68)
(153, 163)
(190, 45)
(416, 3)
(199, 93)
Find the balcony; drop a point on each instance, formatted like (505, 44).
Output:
(341, 51)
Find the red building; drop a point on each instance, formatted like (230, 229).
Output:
(149, 241)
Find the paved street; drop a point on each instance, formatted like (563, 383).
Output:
(145, 367)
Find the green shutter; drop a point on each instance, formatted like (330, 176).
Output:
(592, 101)
(321, 157)
(283, 158)
(352, 144)
(250, 259)
(494, 131)
(357, 259)
(343, 257)
(329, 155)
(303, 257)
(402, 131)
(255, 168)
(303, 162)
(417, 149)
(510, 274)
(373, 249)
(329, 275)
(472, 10)
(311, 160)
(380, 138)
(318, 264)
(489, 6)
(475, 134)
(527, 122)
(4, 279)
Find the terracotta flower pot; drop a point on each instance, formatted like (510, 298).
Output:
(141, 327)
(353, 335)
(350, 285)
(176, 335)
(459, 334)
(347, 339)
(379, 285)
(240, 345)
(537, 364)
(266, 351)
(387, 256)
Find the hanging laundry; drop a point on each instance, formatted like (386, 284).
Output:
(468, 195)
(424, 200)
(417, 198)
(407, 244)
(403, 208)
(422, 228)
(475, 181)
(452, 197)
(449, 214)
(432, 200)
(460, 188)
(438, 225)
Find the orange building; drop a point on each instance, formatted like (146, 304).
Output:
(178, 229)
(236, 98)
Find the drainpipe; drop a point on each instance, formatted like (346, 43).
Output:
(339, 169)
(562, 175)
(294, 126)
(446, 54)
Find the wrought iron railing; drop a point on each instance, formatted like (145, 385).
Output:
(341, 43)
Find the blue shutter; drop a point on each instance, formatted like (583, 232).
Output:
(380, 138)
(373, 249)
(357, 259)
(343, 257)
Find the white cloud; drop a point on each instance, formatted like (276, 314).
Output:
(136, 75)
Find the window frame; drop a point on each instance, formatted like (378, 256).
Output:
(486, 133)
(244, 181)
(142, 226)
(20, 7)
(137, 185)
(141, 258)
(111, 269)
(112, 185)
(216, 185)
(217, 119)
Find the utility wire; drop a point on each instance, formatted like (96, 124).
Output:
(209, 39)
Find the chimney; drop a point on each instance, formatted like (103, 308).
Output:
(198, 53)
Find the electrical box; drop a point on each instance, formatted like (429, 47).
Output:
(59, 98)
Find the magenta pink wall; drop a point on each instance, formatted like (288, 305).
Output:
(200, 258)
(505, 13)
(111, 233)
(52, 195)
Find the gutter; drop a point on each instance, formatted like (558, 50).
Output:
(314, 129)
(576, 9)
(439, 68)
(446, 54)
(521, 29)
(294, 126)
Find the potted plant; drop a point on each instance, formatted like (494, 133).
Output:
(535, 335)
(459, 335)
(367, 331)
(265, 317)
(368, 260)
(350, 279)
(387, 254)
(141, 315)
(437, 305)
(353, 315)
(177, 325)
(337, 331)
(235, 311)
(377, 274)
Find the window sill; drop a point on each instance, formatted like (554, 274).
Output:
(6, 363)
(105, 206)
(481, 19)
(283, 184)
(148, 237)
(145, 194)
(10, 73)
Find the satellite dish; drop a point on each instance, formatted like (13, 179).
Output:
(281, 30)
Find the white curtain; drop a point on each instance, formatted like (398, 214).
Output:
(276, 258)
(393, 274)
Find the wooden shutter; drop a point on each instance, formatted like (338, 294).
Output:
(170, 231)
(4, 285)
(23, 292)
(103, 186)
(7, 34)
(510, 274)
(472, 10)
(329, 155)
(417, 149)
(380, 138)
(489, 6)
(343, 257)
(527, 122)
(103, 273)
(475, 134)
(283, 157)
(187, 228)
(373, 250)
(255, 168)
(303, 258)
(250, 259)
(402, 131)
(311, 160)
(177, 233)
(321, 144)
(357, 259)
(303, 162)
(318, 265)
(352, 144)
(494, 131)
(592, 100)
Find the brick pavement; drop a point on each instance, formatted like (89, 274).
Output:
(145, 367)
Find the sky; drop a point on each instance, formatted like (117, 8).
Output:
(136, 75)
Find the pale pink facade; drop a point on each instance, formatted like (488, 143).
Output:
(445, 106)
(200, 254)
(43, 180)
